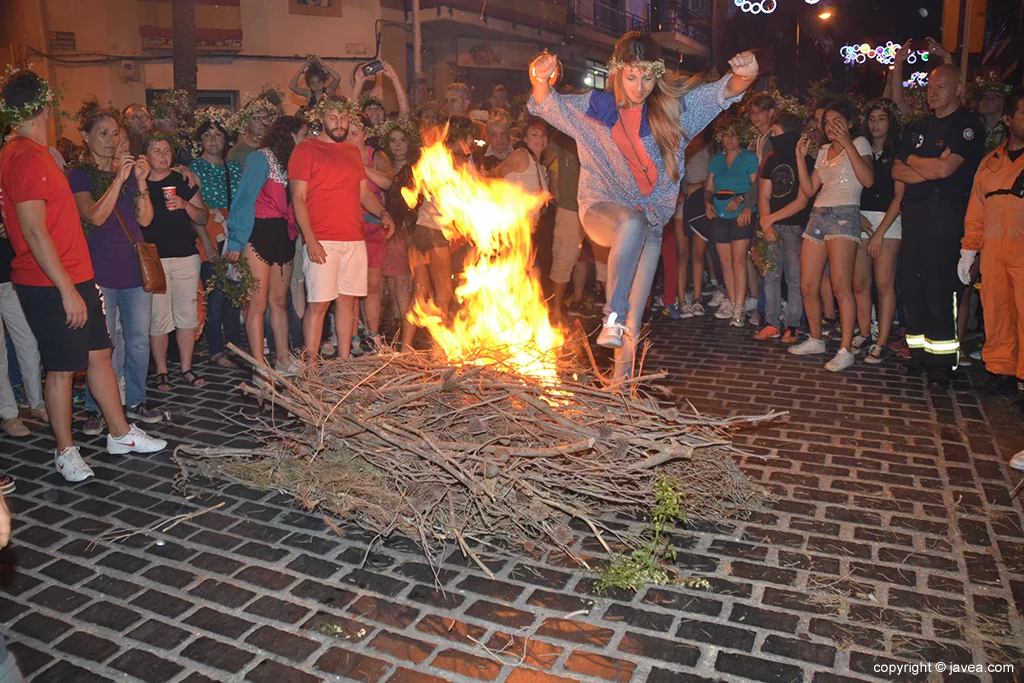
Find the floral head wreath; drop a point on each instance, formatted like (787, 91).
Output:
(737, 126)
(389, 126)
(368, 100)
(655, 68)
(172, 103)
(990, 83)
(339, 104)
(789, 104)
(888, 106)
(224, 118)
(270, 100)
(46, 97)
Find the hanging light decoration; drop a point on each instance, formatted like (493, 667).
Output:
(918, 79)
(757, 6)
(883, 54)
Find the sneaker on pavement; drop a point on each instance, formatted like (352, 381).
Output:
(70, 464)
(877, 354)
(755, 319)
(737, 319)
(750, 304)
(808, 347)
(697, 308)
(859, 343)
(975, 355)
(965, 360)
(1017, 462)
(717, 300)
(767, 332)
(725, 311)
(7, 485)
(611, 332)
(791, 335)
(40, 413)
(327, 349)
(94, 425)
(15, 427)
(576, 310)
(672, 312)
(841, 361)
(686, 311)
(289, 368)
(143, 413)
(135, 441)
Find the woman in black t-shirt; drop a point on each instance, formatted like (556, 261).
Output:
(179, 215)
(881, 230)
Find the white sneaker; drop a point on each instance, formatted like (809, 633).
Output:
(860, 343)
(755, 319)
(717, 299)
(686, 311)
(1017, 462)
(737, 319)
(70, 464)
(289, 368)
(611, 333)
(39, 412)
(842, 360)
(135, 441)
(697, 309)
(750, 304)
(808, 347)
(724, 311)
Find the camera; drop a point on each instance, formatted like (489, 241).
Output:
(370, 68)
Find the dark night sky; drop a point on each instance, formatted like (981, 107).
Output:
(853, 21)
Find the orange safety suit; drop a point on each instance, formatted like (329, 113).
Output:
(995, 226)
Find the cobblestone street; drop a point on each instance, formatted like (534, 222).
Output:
(890, 538)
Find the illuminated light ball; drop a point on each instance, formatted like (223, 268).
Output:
(864, 48)
(911, 58)
(811, 2)
(861, 59)
(924, 56)
(872, 53)
(923, 12)
(891, 67)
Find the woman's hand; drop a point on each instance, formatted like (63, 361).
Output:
(838, 132)
(865, 226)
(875, 244)
(124, 169)
(388, 223)
(389, 71)
(142, 170)
(734, 205)
(743, 220)
(745, 65)
(543, 66)
(903, 52)
(191, 178)
(803, 146)
(768, 228)
(935, 48)
(176, 203)
(710, 210)
(232, 256)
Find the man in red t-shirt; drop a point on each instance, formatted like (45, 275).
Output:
(52, 274)
(329, 192)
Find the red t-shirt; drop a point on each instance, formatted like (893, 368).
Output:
(631, 147)
(333, 171)
(27, 173)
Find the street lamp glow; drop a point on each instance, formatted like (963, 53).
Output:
(825, 16)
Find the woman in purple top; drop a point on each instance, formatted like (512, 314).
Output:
(110, 188)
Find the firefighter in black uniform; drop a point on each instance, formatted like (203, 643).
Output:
(937, 161)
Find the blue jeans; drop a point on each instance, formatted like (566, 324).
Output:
(635, 252)
(786, 254)
(220, 314)
(134, 306)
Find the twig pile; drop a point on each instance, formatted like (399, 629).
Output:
(464, 454)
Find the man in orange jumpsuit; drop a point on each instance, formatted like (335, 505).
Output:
(995, 226)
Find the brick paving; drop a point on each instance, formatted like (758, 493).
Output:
(890, 533)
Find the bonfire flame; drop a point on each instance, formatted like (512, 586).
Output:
(502, 318)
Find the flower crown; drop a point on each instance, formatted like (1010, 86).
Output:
(269, 100)
(46, 97)
(339, 104)
(737, 126)
(655, 68)
(224, 118)
(990, 83)
(888, 106)
(172, 102)
(367, 99)
(389, 126)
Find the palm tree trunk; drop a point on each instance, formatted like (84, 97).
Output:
(183, 21)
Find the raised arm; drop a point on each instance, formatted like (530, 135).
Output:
(333, 81)
(97, 211)
(400, 93)
(702, 104)
(897, 79)
(294, 85)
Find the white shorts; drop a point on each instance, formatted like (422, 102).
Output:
(565, 247)
(343, 274)
(178, 308)
(895, 231)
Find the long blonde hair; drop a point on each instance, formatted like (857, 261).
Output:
(664, 104)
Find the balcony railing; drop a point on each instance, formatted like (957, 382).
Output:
(685, 22)
(604, 17)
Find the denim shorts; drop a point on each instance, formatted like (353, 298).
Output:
(726, 230)
(832, 222)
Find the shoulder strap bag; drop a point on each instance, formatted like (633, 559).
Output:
(153, 279)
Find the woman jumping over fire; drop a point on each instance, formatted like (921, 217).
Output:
(636, 130)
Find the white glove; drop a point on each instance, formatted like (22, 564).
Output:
(963, 268)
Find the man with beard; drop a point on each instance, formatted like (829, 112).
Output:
(937, 161)
(995, 227)
(140, 124)
(329, 192)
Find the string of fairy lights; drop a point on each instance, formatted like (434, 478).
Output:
(763, 6)
(883, 54)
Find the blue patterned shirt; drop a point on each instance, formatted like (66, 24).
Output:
(604, 174)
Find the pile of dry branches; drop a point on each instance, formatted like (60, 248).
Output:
(464, 454)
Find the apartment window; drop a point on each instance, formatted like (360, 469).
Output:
(596, 75)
